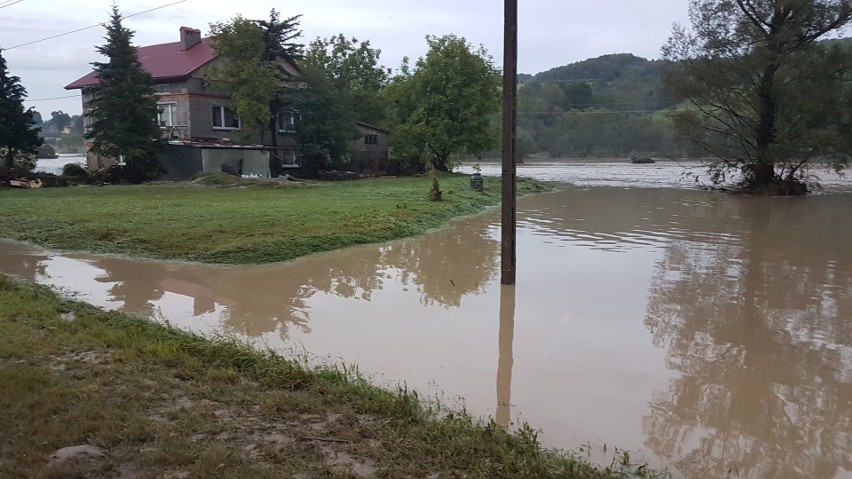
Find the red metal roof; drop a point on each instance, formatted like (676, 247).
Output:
(163, 61)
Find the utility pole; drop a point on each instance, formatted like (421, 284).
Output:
(510, 120)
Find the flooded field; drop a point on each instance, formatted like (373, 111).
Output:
(705, 332)
(54, 165)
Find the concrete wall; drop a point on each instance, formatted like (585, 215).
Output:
(241, 161)
(182, 162)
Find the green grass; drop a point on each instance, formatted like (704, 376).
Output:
(164, 403)
(237, 222)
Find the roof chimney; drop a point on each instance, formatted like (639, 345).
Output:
(189, 37)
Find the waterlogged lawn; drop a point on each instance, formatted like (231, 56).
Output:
(238, 224)
(136, 399)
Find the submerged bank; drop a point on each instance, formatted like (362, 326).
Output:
(132, 398)
(238, 224)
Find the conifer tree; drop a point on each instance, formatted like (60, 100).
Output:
(124, 115)
(17, 132)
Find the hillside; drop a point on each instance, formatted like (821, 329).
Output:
(602, 106)
(612, 105)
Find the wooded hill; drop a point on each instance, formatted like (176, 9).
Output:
(611, 106)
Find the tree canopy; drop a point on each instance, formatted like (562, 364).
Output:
(251, 70)
(764, 98)
(343, 84)
(17, 131)
(124, 109)
(445, 104)
(243, 73)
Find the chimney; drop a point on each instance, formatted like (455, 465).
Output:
(189, 37)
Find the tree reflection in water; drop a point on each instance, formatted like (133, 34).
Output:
(22, 262)
(442, 268)
(758, 326)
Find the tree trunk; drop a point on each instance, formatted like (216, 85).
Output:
(440, 162)
(764, 167)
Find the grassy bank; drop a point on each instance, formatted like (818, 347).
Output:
(225, 223)
(140, 400)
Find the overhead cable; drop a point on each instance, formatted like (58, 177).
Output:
(86, 28)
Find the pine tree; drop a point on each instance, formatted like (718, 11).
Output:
(17, 134)
(124, 115)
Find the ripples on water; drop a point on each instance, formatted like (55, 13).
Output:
(622, 173)
(706, 332)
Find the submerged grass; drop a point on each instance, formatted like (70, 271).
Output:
(237, 222)
(159, 402)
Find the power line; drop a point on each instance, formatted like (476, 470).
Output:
(86, 28)
(9, 3)
(53, 98)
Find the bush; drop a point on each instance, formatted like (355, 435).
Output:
(74, 170)
(46, 151)
(22, 164)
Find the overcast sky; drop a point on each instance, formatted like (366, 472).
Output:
(551, 32)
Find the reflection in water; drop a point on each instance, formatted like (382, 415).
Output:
(760, 332)
(711, 332)
(442, 267)
(503, 416)
(22, 262)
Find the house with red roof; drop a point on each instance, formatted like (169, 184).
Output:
(199, 122)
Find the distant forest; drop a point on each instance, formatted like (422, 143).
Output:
(610, 106)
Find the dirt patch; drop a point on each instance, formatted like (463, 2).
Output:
(80, 452)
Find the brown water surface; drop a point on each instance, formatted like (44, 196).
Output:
(708, 332)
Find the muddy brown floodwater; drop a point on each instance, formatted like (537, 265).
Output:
(704, 332)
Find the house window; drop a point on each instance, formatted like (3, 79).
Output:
(166, 114)
(163, 88)
(225, 118)
(371, 139)
(288, 121)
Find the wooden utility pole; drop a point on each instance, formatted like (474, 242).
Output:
(510, 121)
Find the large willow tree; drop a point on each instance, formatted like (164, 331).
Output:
(765, 97)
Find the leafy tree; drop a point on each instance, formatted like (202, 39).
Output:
(59, 120)
(353, 68)
(578, 95)
(37, 119)
(764, 98)
(251, 69)
(124, 111)
(17, 132)
(343, 85)
(77, 124)
(327, 124)
(242, 73)
(444, 105)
